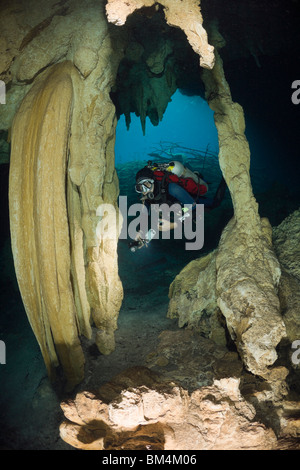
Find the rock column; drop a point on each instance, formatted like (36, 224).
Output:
(248, 272)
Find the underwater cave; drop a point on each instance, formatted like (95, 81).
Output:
(163, 348)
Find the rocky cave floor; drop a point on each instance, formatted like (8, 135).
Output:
(30, 412)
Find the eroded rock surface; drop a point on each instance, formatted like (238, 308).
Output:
(141, 410)
(192, 395)
(184, 15)
(241, 278)
(193, 299)
(286, 239)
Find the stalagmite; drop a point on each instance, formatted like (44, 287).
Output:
(241, 276)
(244, 268)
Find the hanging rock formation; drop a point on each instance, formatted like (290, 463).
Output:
(39, 221)
(61, 171)
(184, 15)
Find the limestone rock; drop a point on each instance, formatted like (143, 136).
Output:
(223, 282)
(196, 363)
(85, 59)
(184, 15)
(248, 271)
(105, 341)
(193, 299)
(169, 418)
(286, 239)
(289, 295)
(247, 296)
(290, 423)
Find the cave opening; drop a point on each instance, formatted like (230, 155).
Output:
(187, 134)
(162, 116)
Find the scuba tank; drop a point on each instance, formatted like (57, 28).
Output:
(178, 169)
(181, 171)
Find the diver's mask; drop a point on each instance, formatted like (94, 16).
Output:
(144, 186)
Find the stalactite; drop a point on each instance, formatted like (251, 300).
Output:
(184, 15)
(68, 275)
(39, 218)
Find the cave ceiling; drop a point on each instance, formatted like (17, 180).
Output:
(158, 58)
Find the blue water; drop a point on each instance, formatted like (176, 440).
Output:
(188, 121)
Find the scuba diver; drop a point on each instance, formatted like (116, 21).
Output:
(171, 183)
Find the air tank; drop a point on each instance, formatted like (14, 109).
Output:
(177, 168)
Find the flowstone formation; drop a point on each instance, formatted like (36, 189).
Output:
(59, 65)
